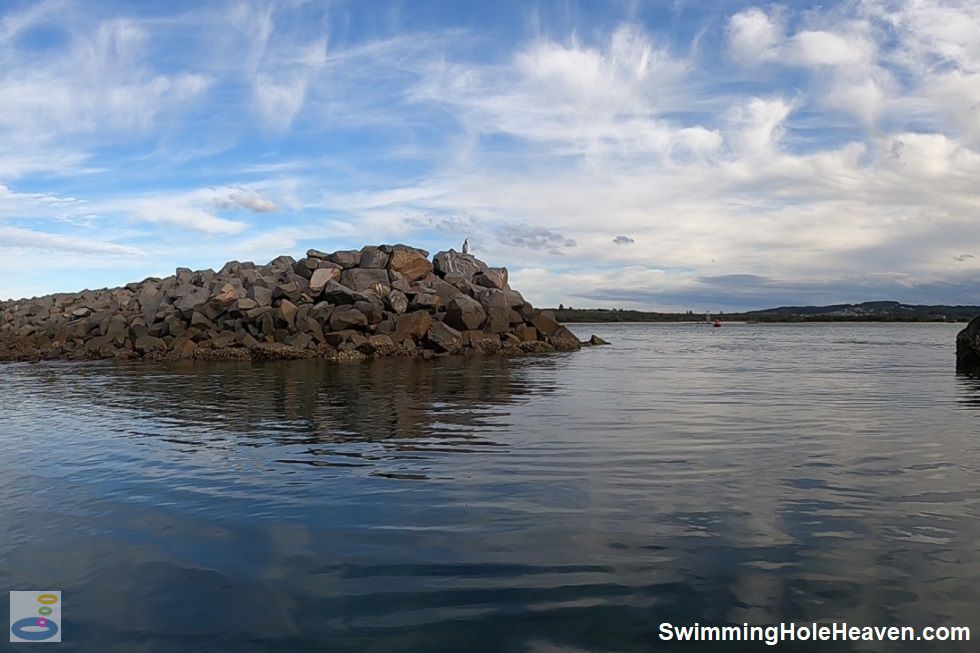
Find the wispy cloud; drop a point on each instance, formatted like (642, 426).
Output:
(13, 238)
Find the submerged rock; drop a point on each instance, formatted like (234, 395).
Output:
(346, 305)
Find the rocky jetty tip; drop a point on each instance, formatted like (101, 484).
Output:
(968, 348)
(377, 301)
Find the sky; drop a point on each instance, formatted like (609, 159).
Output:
(661, 155)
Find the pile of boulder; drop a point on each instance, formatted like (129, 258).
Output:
(968, 348)
(378, 301)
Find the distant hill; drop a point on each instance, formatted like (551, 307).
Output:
(875, 311)
(884, 311)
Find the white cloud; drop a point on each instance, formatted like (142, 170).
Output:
(16, 238)
(588, 99)
(821, 48)
(192, 210)
(754, 36)
(249, 200)
(279, 68)
(98, 81)
(757, 126)
(179, 214)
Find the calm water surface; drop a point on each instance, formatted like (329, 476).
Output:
(569, 502)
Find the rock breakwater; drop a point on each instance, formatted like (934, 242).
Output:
(968, 348)
(377, 301)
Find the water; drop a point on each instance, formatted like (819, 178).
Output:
(567, 502)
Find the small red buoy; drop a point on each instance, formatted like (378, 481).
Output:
(717, 323)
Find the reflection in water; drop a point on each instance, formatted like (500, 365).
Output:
(969, 390)
(394, 408)
(545, 503)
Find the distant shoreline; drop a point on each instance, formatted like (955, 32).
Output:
(773, 322)
(886, 311)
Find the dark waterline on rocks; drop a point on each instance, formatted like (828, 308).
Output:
(562, 502)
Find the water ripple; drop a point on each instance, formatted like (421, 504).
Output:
(544, 503)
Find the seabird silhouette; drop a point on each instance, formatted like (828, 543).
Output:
(466, 246)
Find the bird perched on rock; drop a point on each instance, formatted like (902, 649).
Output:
(466, 246)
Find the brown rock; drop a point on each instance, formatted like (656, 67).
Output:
(288, 311)
(261, 295)
(146, 343)
(345, 258)
(346, 317)
(361, 280)
(487, 343)
(424, 301)
(545, 322)
(321, 277)
(564, 340)
(526, 332)
(491, 278)
(184, 347)
(444, 337)
(336, 338)
(377, 344)
(291, 290)
(410, 326)
(411, 263)
(537, 347)
(397, 301)
(305, 267)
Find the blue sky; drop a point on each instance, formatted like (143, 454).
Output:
(671, 155)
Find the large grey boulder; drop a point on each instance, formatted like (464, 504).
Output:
(362, 280)
(373, 258)
(190, 298)
(337, 293)
(372, 309)
(345, 258)
(497, 308)
(317, 254)
(455, 265)
(446, 291)
(347, 317)
(465, 313)
(261, 295)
